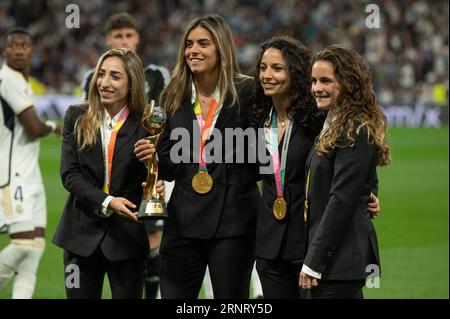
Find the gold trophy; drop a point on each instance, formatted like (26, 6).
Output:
(152, 206)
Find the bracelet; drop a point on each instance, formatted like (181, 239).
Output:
(51, 124)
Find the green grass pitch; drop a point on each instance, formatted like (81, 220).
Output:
(412, 228)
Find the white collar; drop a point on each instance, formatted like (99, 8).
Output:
(331, 117)
(216, 93)
(111, 122)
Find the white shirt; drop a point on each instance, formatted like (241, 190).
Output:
(19, 152)
(106, 128)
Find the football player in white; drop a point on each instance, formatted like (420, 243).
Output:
(22, 197)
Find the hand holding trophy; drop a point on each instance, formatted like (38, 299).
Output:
(152, 206)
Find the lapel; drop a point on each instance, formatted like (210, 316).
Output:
(96, 154)
(225, 113)
(295, 128)
(189, 121)
(312, 152)
(127, 130)
(188, 116)
(291, 148)
(223, 121)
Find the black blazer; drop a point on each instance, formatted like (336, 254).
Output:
(285, 238)
(81, 229)
(229, 209)
(341, 237)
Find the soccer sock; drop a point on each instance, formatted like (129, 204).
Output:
(23, 287)
(11, 256)
(25, 279)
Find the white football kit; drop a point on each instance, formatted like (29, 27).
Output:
(22, 195)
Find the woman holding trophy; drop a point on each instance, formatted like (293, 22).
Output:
(213, 206)
(99, 229)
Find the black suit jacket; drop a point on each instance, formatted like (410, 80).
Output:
(81, 229)
(285, 238)
(229, 209)
(341, 237)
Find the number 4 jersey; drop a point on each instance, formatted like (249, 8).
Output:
(20, 177)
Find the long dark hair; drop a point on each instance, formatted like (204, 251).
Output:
(302, 108)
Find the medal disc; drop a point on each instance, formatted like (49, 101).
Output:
(279, 208)
(202, 182)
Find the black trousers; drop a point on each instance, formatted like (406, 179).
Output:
(338, 289)
(126, 277)
(184, 260)
(279, 278)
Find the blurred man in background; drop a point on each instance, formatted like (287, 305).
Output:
(122, 32)
(23, 210)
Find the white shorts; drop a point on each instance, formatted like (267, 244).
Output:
(22, 206)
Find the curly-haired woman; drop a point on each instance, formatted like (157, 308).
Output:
(341, 170)
(286, 111)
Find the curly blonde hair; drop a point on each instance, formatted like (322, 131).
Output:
(356, 106)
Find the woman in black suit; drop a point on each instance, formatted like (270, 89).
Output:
(286, 111)
(342, 169)
(212, 209)
(98, 230)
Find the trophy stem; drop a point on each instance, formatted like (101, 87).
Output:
(152, 172)
(152, 206)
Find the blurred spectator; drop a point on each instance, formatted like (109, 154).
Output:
(411, 43)
(37, 86)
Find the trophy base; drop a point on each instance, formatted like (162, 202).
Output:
(152, 209)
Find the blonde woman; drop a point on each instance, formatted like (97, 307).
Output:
(213, 206)
(99, 230)
(340, 171)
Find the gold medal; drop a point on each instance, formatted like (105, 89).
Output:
(202, 182)
(279, 208)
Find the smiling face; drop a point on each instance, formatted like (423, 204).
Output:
(201, 52)
(112, 83)
(325, 86)
(274, 74)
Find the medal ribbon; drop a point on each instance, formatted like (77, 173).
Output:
(279, 169)
(112, 144)
(305, 211)
(204, 128)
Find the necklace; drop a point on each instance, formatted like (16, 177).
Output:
(205, 100)
(282, 123)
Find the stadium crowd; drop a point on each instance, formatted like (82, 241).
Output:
(408, 54)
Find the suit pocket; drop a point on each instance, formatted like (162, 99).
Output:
(343, 258)
(85, 218)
